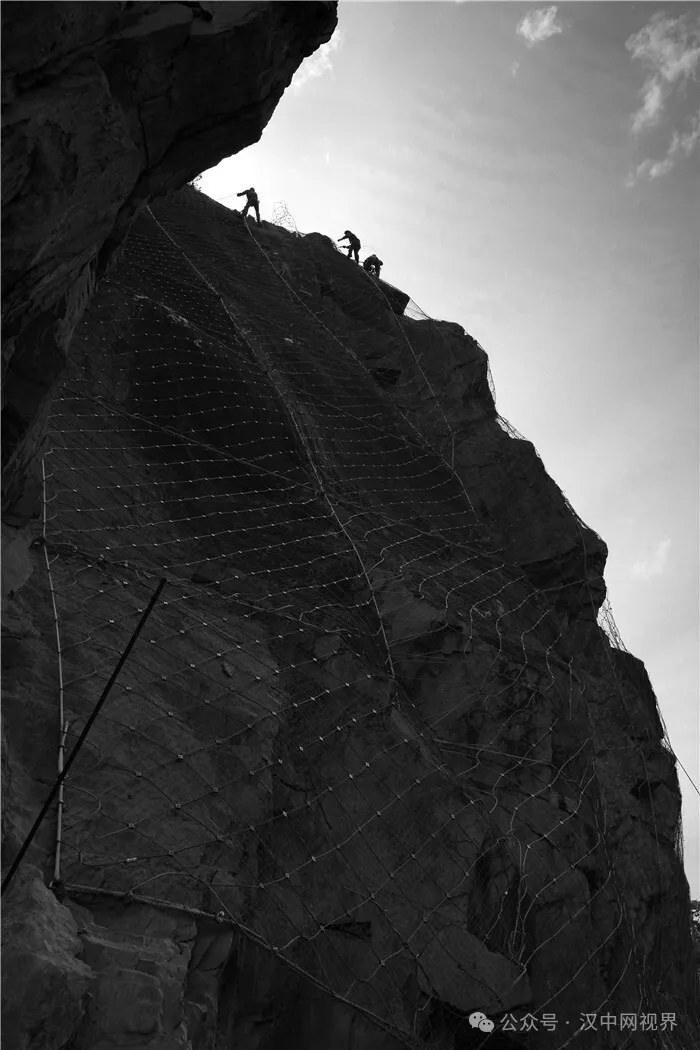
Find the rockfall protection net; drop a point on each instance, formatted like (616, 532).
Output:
(348, 728)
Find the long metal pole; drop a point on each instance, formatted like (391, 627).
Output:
(88, 725)
(59, 808)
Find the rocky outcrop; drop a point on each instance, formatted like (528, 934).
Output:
(373, 764)
(106, 105)
(45, 984)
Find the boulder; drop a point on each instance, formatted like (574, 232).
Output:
(44, 983)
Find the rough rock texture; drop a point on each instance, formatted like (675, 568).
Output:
(373, 764)
(105, 105)
(44, 981)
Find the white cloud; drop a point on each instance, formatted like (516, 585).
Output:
(514, 69)
(681, 146)
(652, 107)
(653, 565)
(670, 49)
(538, 25)
(319, 63)
(671, 46)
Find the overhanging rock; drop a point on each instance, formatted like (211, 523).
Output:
(104, 106)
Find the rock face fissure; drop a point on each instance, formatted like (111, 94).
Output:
(373, 764)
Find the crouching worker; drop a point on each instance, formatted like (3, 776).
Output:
(353, 244)
(251, 201)
(373, 265)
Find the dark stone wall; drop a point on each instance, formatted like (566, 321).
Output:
(104, 106)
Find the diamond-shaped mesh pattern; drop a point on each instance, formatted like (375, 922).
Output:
(351, 726)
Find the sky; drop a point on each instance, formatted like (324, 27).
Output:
(532, 172)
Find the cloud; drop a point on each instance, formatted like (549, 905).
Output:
(671, 46)
(514, 69)
(319, 63)
(652, 107)
(681, 146)
(655, 564)
(670, 49)
(538, 25)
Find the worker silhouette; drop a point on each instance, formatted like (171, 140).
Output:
(353, 244)
(373, 265)
(251, 201)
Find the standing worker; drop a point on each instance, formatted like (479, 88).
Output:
(251, 201)
(373, 265)
(353, 244)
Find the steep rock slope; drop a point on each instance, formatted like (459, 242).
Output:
(105, 105)
(372, 765)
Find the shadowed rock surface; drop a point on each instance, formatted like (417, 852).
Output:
(105, 105)
(373, 764)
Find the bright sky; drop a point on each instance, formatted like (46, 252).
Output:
(532, 173)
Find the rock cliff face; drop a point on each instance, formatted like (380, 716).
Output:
(372, 765)
(105, 105)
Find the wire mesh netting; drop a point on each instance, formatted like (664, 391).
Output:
(354, 726)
